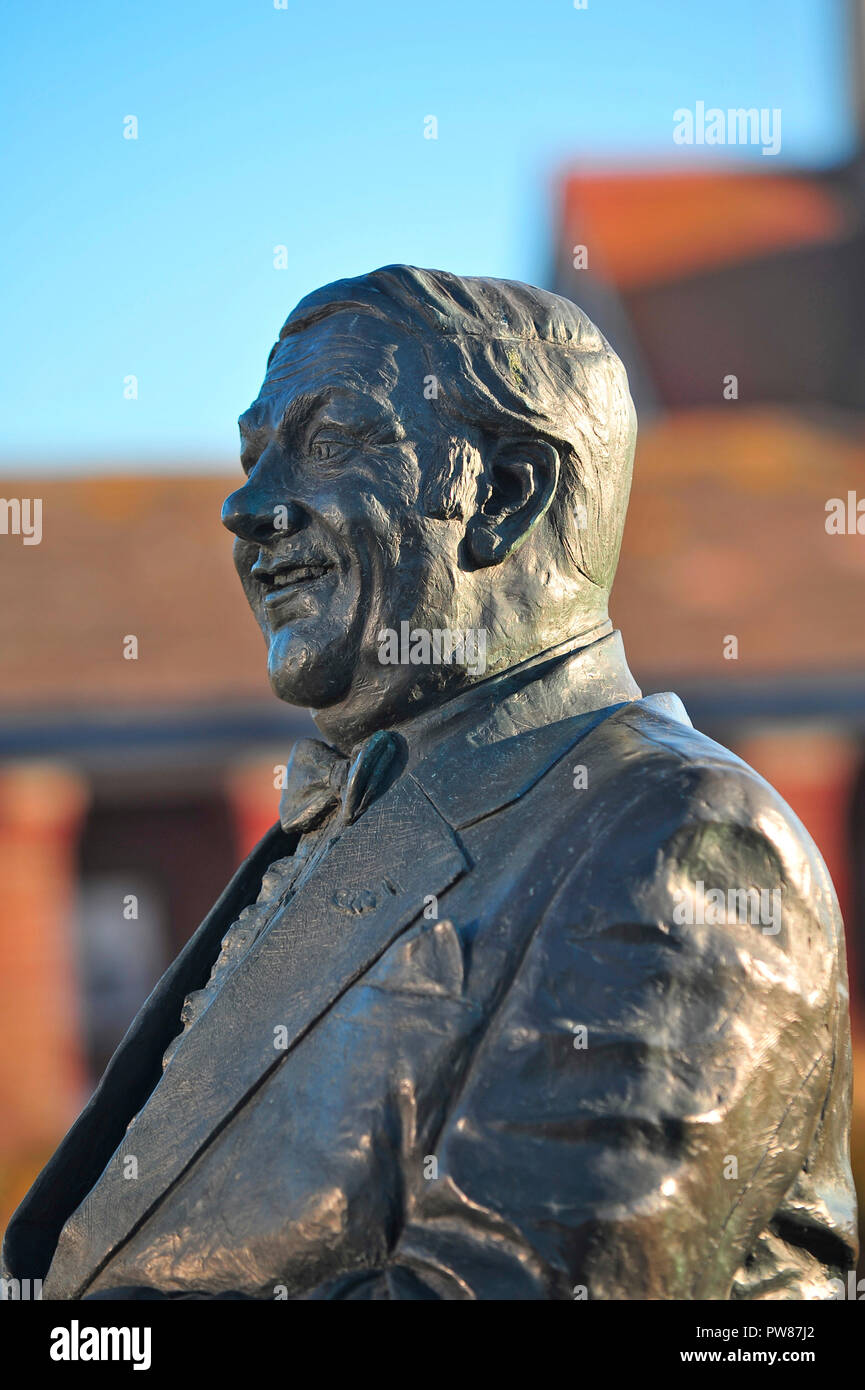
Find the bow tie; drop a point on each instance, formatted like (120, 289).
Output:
(319, 780)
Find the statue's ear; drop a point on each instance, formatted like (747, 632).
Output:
(518, 484)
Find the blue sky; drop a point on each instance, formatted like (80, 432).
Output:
(304, 127)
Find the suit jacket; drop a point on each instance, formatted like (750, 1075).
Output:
(494, 1047)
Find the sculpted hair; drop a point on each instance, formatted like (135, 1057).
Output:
(508, 358)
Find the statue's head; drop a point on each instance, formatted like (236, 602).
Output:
(446, 452)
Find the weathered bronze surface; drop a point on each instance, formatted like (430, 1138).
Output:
(534, 992)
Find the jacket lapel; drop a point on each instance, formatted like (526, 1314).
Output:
(371, 885)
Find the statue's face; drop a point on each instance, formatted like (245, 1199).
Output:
(331, 543)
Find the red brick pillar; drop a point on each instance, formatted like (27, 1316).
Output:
(42, 1070)
(254, 799)
(814, 771)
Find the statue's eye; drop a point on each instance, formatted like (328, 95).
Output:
(325, 447)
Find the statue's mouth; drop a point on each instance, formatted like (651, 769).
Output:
(280, 579)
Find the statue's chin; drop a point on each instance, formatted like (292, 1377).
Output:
(297, 688)
(300, 675)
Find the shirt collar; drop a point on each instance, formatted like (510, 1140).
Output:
(572, 678)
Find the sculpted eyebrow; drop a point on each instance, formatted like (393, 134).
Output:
(297, 417)
(342, 407)
(299, 412)
(254, 435)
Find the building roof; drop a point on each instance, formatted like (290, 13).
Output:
(665, 225)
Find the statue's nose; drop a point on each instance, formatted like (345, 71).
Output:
(254, 517)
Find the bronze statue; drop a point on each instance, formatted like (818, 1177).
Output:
(533, 992)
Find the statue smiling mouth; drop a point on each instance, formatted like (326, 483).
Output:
(275, 579)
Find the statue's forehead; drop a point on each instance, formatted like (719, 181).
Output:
(346, 355)
(345, 347)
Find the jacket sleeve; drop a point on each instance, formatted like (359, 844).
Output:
(650, 1085)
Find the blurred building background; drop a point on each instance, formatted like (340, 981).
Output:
(138, 736)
